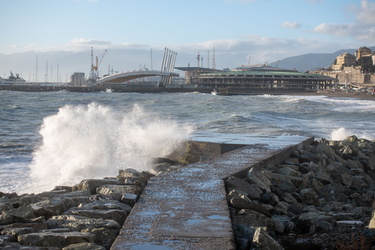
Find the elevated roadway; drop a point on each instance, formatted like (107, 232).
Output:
(128, 76)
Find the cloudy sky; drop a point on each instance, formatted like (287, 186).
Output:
(242, 31)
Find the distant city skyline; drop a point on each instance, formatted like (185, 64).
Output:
(242, 31)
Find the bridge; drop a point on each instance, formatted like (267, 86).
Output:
(128, 76)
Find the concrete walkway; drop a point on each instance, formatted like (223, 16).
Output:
(187, 208)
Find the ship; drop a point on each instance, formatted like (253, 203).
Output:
(13, 79)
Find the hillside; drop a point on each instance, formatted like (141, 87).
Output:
(311, 61)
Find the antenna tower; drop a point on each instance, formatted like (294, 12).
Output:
(199, 59)
(213, 59)
(208, 59)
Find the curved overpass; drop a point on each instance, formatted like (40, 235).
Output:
(128, 76)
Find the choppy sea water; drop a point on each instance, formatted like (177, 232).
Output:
(60, 138)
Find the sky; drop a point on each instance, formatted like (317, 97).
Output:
(242, 31)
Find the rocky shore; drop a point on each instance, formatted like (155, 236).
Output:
(319, 198)
(88, 215)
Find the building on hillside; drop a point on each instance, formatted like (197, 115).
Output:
(344, 60)
(348, 76)
(77, 79)
(352, 69)
(362, 51)
(259, 77)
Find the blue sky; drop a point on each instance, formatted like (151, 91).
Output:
(262, 30)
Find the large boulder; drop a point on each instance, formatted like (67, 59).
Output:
(262, 240)
(52, 239)
(312, 222)
(78, 223)
(93, 184)
(118, 191)
(253, 191)
(252, 219)
(48, 208)
(118, 215)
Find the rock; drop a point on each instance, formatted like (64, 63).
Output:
(243, 236)
(84, 246)
(93, 184)
(312, 222)
(51, 239)
(117, 191)
(282, 223)
(5, 204)
(262, 240)
(118, 215)
(130, 199)
(259, 179)
(48, 208)
(21, 214)
(247, 204)
(132, 173)
(106, 204)
(252, 219)
(13, 233)
(103, 236)
(78, 223)
(253, 191)
(309, 196)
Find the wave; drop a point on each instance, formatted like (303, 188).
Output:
(95, 141)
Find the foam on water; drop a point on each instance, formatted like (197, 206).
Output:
(94, 141)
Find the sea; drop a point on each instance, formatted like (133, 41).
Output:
(49, 139)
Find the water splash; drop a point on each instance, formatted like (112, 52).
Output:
(94, 141)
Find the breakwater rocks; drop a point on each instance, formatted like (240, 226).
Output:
(88, 215)
(319, 198)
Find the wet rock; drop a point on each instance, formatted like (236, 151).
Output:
(93, 184)
(118, 191)
(103, 236)
(312, 222)
(84, 246)
(21, 214)
(106, 205)
(118, 215)
(48, 208)
(262, 240)
(78, 223)
(309, 196)
(253, 191)
(243, 203)
(259, 179)
(51, 239)
(252, 219)
(132, 173)
(5, 204)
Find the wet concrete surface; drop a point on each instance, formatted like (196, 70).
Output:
(187, 208)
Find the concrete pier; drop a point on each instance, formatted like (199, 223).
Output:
(187, 208)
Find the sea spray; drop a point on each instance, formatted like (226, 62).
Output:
(95, 141)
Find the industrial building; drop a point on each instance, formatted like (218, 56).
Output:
(257, 77)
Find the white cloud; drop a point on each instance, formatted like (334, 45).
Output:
(335, 29)
(362, 29)
(366, 13)
(291, 25)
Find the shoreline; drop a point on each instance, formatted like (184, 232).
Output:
(186, 89)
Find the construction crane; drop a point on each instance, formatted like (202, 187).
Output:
(94, 75)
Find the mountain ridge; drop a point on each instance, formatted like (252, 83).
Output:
(311, 61)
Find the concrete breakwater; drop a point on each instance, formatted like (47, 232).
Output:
(182, 88)
(272, 194)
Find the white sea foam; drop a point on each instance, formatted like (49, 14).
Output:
(94, 141)
(342, 133)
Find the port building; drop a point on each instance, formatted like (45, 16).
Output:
(257, 77)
